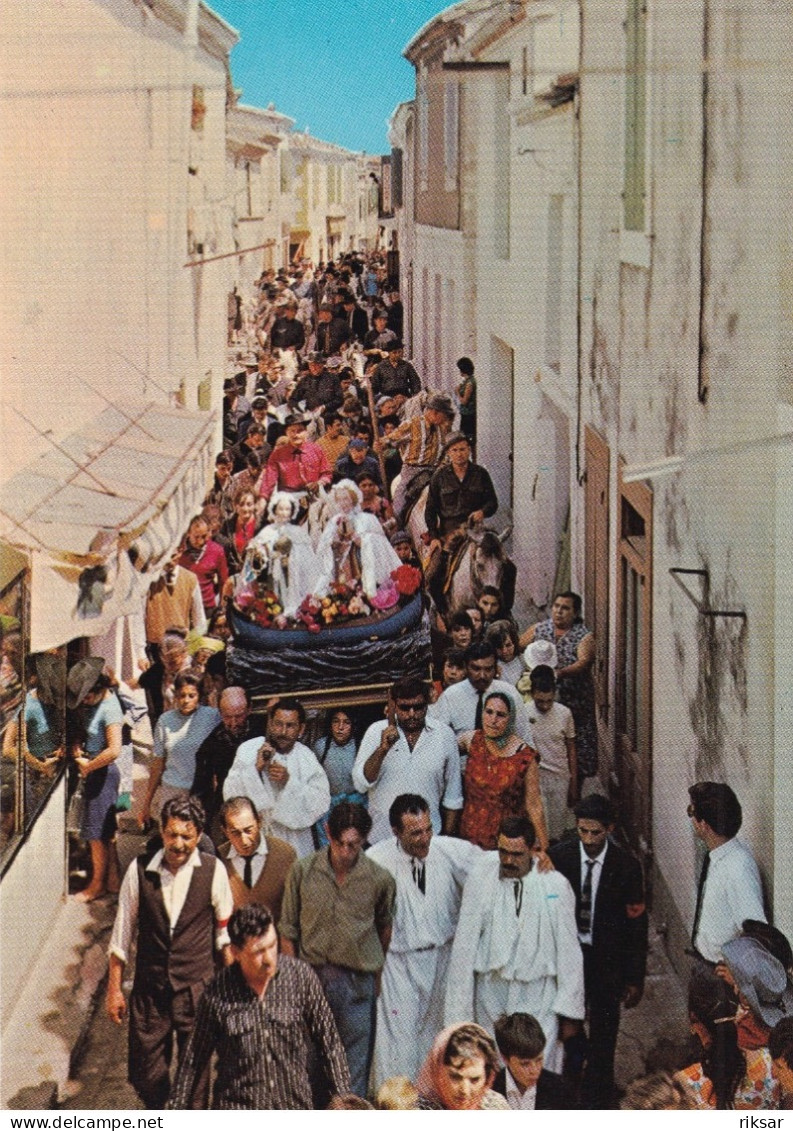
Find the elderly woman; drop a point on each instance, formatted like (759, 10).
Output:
(177, 737)
(575, 647)
(97, 718)
(353, 546)
(502, 777)
(284, 550)
(459, 1072)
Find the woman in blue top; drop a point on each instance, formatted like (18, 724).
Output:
(177, 737)
(336, 752)
(89, 689)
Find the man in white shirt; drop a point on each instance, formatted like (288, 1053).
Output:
(729, 888)
(430, 874)
(282, 777)
(460, 706)
(409, 752)
(516, 948)
(177, 904)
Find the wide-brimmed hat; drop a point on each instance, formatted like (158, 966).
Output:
(82, 679)
(441, 403)
(456, 438)
(760, 978)
(540, 652)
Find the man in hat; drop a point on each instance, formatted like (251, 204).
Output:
(377, 340)
(422, 440)
(297, 466)
(235, 409)
(258, 416)
(729, 889)
(287, 331)
(396, 377)
(317, 389)
(355, 317)
(332, 333)
(356, 461)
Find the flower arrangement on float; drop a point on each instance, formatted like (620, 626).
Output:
(342, 603)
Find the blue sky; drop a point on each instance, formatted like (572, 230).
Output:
(334, 67)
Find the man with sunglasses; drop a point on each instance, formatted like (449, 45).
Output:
(407, 752)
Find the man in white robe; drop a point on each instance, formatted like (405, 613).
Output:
(282, 777)
(516, 948)
(430, 874)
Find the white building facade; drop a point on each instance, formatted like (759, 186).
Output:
(600, 222)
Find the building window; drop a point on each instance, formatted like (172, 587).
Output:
(635, 186)
(451, 134)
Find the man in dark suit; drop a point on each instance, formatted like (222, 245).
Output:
(612, 929)
(524, 1083)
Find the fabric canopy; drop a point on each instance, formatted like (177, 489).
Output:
(99, 515)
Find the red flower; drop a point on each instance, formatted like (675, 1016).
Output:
(407, 580)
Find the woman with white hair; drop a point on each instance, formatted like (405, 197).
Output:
(284, 550)
(353, 546)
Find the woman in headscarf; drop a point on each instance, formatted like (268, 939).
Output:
(502, 777)
(734, 1071)
(353, 546)
(459, 1072)
(96, 744)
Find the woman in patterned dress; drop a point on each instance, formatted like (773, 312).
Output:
(575, 648)
(502, 777)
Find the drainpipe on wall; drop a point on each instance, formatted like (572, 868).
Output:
(703, 376)
(580, 473)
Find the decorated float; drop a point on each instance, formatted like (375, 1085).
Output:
(340, 623)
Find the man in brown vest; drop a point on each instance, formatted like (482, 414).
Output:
(178, 903)
(257, 865)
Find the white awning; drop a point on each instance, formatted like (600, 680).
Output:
(99, 515)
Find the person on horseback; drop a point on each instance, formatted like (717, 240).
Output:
(461, 494)
(424, 438)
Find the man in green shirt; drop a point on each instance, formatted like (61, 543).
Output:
(336, 914)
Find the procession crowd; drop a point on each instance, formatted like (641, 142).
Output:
(421, 907)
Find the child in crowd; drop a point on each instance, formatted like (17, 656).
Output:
(452, 671)
(504, 635)
(554, 738)
(461, 629)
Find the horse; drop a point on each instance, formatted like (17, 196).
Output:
(480, 561)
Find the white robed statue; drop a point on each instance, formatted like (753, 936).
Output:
(353, 546)
(283, 549)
